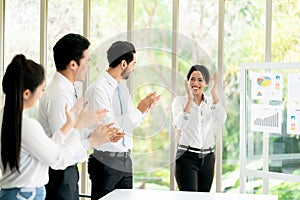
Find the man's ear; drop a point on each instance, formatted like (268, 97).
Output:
(26, 94)
(123, 64)
(73, 65)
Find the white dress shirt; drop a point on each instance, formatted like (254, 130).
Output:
(103, 94)
(38, 152)
(51, 112)
(197, 127)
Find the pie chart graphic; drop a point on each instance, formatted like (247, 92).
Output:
(264, 81)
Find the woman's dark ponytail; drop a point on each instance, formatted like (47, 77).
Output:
(21, 74)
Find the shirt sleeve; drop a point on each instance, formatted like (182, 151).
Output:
(219, 112)
(38, 144)
(56, 113)
(180, 117)
(57, 118)
(128, 121)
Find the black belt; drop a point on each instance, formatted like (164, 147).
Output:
(196, 150)
(112, 154)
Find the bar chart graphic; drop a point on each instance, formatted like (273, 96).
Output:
(266, 118)
(271, 121)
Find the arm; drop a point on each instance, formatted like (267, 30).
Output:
(219, 112)
(217, 107)
(56, 112)
(38, 144)
(181, 110)
(180, 116)
(133, 118)
(103, 99)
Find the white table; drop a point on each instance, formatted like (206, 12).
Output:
(177, 195)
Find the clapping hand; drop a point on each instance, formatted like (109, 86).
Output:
(188, 90)
(79, 117)
(214, 82)
(105, 133)
(148, 102)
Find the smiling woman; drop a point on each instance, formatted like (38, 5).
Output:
(194, 116)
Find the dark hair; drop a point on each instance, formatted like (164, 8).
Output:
(201, 68)
(118, 51)
(21, 74)
(68, 48)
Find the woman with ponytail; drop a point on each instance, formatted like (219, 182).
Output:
(26, 151)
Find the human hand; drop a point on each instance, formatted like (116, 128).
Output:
(87, 118)
(148, 102)
(214, 82)
(105, 133)
(71, 116)
(188, 90)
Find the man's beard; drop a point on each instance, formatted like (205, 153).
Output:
(126, 75)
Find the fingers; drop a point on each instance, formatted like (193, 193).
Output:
(109, 125)
(85, 106)
(116, 137)
(215, 76)
(151, 94)
(100, 114)
(77, 106)
(66, 108)
(186, 82)
(112, 134)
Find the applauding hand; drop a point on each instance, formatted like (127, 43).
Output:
(105, 133)
(148, 102)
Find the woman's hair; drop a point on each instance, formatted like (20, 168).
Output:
(21, 74)
(201, 68)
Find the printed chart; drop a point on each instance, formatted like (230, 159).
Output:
(266, 86)
(266, 118)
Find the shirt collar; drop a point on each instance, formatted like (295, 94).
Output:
(111, 81)
(205, 100)
(64, 81)
(204, 97)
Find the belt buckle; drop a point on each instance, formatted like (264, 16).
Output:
(127, 154)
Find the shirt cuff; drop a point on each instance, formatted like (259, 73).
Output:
(186, 115)
(59, 137)
(216, 105)
(76, 133)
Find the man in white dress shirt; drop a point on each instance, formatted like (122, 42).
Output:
(110, 166)
(72, 56)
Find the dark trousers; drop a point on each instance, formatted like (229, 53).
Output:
(63, 184)
(194, 172)
(108, 173)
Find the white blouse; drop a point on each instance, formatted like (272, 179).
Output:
(197, 128)
(38, 152)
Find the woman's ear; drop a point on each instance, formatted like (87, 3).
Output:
(26, 94)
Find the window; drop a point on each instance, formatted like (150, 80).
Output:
(244, 25)
(22, 28)
(153, 41)
(63, 17)
(103, 32)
